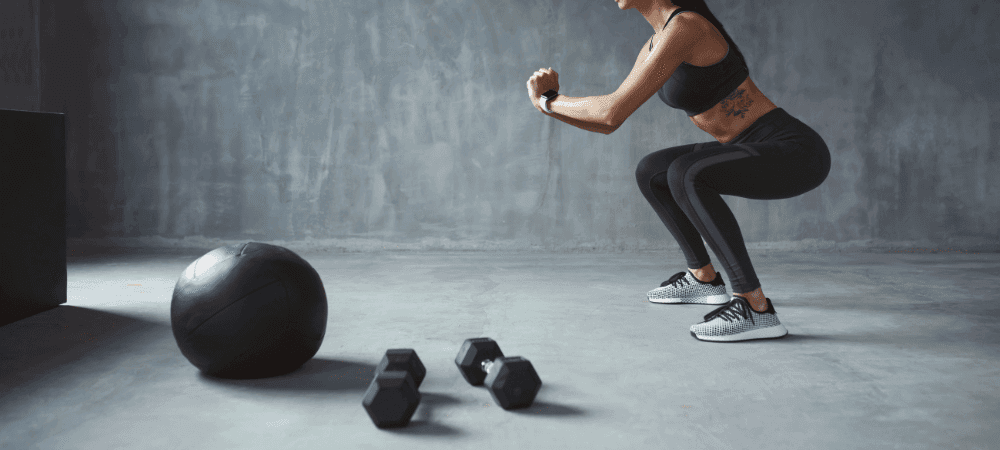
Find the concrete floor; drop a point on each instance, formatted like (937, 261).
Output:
(889, 350)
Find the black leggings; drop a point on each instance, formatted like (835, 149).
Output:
(776, 157)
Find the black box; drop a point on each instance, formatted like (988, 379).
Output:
(32, 213)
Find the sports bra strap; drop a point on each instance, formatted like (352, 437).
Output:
(676, 12)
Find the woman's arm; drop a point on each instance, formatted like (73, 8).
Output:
(588, 113)
(606, 113)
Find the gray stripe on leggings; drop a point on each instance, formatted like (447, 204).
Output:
(689, 192)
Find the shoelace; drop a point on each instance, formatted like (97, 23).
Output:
(731, 311)
(679, 278)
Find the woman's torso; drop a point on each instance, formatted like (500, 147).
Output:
(725, 120)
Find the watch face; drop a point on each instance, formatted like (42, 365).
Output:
(550, 93)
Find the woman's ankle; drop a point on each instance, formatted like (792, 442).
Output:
(702, 275)
(755, 298)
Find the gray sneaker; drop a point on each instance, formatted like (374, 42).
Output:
(683, 287)
(737, 321)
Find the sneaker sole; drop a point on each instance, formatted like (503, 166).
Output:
(775, 332)
(709, 300)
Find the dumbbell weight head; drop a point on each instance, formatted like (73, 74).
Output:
(391, 399)
(513, 382)
(471, 356)
(404, 359)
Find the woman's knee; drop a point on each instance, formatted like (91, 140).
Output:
(645, 170)
(656, 163)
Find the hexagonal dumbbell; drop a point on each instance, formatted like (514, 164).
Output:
(512, 381)
(392, 397)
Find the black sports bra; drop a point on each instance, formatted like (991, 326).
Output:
(697, 89)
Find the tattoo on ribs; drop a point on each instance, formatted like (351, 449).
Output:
(736, 104)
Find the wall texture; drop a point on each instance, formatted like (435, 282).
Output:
(19, 86)
(406, 122)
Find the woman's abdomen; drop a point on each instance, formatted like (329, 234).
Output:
(734, 113)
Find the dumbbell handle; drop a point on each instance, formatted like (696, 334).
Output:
(487, 365)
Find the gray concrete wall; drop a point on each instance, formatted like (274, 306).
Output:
(19, 53)
(406, 122)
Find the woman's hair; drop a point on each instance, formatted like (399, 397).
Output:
(701, 8)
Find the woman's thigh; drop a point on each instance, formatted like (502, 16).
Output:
(759, 170)
(658, 162)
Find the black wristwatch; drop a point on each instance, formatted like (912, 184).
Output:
(546, 97)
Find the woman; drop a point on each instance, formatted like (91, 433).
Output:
(760, 152)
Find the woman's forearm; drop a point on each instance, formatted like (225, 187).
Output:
(587, 113)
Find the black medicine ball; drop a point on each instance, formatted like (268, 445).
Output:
(249, 310)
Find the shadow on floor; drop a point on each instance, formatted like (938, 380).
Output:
(325, 375)
(317, 374)
(423, 427)
(67, 335)
(423, 423)
(540, 408)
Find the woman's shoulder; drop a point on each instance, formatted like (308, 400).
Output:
(685, 31)
(693, 26)
(691, 19)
